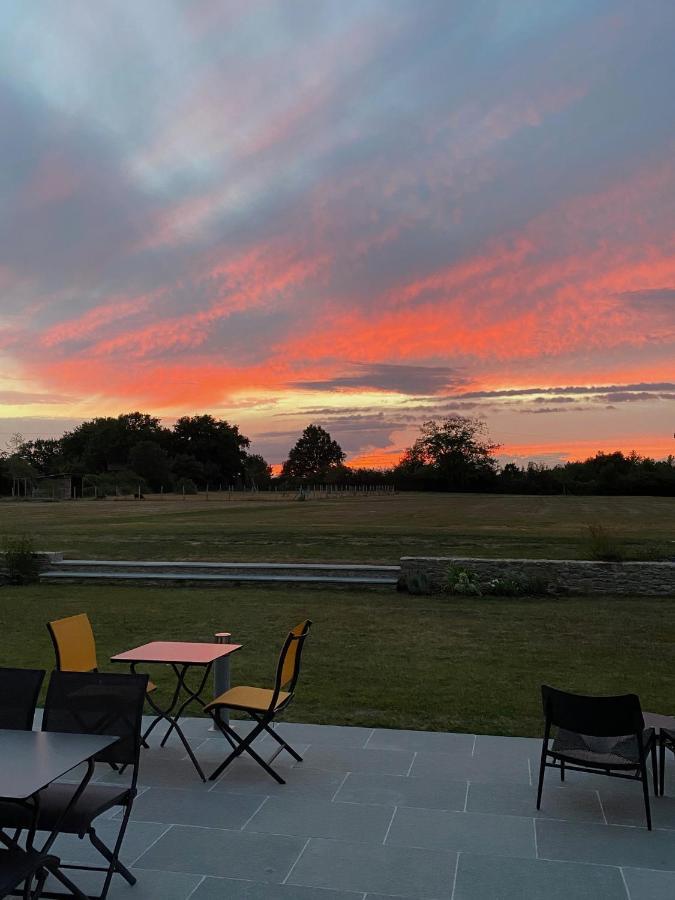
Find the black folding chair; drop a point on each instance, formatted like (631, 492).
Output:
(19, 690)
(74, 705)
(262, 705)
(27, 869)
(598, 735)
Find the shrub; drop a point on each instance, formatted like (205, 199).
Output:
(463, 581)
(22, 564)
(112, 484)
(417, 583)
(185, 486)
(604, 545)
(517, 586)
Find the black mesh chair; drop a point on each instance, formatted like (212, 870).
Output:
(598, 735)
(19, 690)
(666, 742)
(74, 705)
(27, 869)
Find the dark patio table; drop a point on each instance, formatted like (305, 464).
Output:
(181, 656)
(32, 760)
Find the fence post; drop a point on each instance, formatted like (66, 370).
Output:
(221, 674)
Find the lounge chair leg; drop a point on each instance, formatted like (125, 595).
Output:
(645, 791)
(542, 769)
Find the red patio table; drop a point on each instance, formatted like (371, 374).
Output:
(181, 656)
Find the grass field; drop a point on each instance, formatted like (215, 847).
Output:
(382, 659)
(376, 528)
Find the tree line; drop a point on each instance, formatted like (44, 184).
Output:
(134, 451)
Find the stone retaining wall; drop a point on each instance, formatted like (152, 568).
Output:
(569, 576)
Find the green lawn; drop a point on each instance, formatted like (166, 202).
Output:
(382, 659)
(376, 528)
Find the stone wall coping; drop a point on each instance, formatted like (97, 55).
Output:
(520, 560)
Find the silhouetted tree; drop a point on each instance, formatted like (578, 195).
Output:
(102, 443)
(151, 462)
(451, 454)
(258, 471)
(313, 454)
(217, 445)
(44, 455)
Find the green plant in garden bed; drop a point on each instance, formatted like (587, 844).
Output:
(510, 586)
(467, 582)
(463, 581)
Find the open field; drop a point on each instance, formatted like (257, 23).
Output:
(361, 528)
(382, 659)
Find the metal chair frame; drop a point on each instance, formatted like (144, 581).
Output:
(25, 684)
(263, 719)
(111, 855)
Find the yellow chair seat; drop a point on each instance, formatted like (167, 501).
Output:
(245, 697)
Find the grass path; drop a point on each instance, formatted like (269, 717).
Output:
(377, 529)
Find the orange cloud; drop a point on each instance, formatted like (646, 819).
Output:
(113, 310)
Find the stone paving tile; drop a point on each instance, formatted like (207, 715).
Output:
(149, 885)
(470, 832)
(323, 830)
(645, 884)
(399, 790)
(489, 878)
(496, 769)
(629, 808)
(234, 854)
(520, 800)
(301, 779)
(166, 768)
(397, 871)
(209, 810)
(386, 762)
(319, 818)
(139, 836)
(229, 889)
(212, 751)
(431, 741)
(324, 735)
(507, 746)
(609, 845)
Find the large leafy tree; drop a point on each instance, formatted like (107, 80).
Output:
(454, 453)
(216, 445)
(150, 461)
(104, 443)
(313, 455)
(258, 471)
(44, 455)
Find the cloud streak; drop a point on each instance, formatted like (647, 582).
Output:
(355, 206)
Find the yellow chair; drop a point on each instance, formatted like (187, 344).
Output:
(75, 645)
(262, 705)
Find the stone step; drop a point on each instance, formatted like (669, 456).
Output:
(220, 578)
(143, 565)
(217, 572)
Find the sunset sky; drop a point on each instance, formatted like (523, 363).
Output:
(355, 213)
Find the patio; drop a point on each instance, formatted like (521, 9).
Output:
(378, 813)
